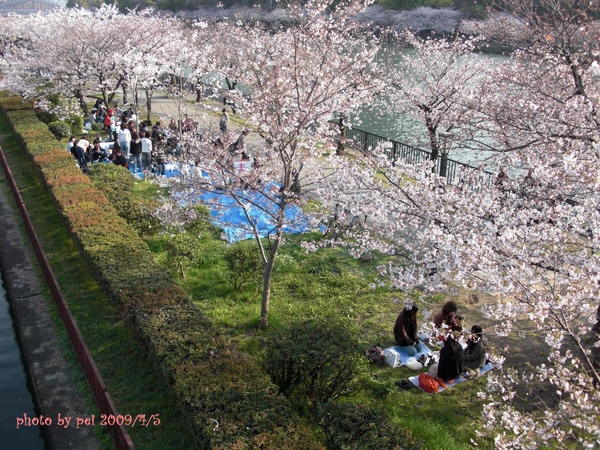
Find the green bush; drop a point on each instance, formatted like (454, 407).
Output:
(182, 252)
(119, 186)
(60, 129)
(315, 360)
(76, 123)
(97, 127)
(13, 102)
(244, 263)
(115, 181)
(359, 427)
(209, 376)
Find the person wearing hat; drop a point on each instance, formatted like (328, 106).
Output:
(475, 354)
(405, 330)
(109, 124)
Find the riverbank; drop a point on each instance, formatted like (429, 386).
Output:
(53, 388)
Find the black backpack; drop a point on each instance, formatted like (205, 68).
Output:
(375, 354)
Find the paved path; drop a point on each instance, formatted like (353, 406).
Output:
(167, 108)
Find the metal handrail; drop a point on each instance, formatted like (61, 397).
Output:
(364, 141)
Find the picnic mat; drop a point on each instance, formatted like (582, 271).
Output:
(402, 357)
(415, 380)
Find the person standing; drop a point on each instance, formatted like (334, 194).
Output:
(136, 152)
(146, 152)
(124, 138)
(224, 122)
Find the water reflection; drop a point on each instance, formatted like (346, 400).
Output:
(15, 398)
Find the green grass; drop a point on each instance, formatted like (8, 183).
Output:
(131, 378)
(331, 283)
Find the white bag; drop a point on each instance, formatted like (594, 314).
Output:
(433, 370)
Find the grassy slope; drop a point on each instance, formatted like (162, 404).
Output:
(129, 375)
(325, 283)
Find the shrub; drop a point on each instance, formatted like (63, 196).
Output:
(76, 123)
(13, 103)
(314, 359)
(60, 129)
(359, 427)
(97, 127)
(68, 195)
(244, 263)
(118, 184)
(44, 147)
(182, 251)
(115, 181)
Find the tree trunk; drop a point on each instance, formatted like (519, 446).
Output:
(268, 275)
(124, 88)
(82, 104)
(433, 140)
(149, 93)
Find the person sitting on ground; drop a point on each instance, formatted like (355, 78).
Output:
(405, 330)
(448, 316)
(475, 354)
(96, 154)
(450, 365)
(93, 116)
(118, 157)
(156, 131)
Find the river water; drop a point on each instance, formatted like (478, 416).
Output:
(15, 397)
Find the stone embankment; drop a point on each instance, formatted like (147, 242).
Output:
(49, 374)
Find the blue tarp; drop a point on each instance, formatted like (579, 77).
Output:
(229, 215)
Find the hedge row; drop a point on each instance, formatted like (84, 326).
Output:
(229, 400)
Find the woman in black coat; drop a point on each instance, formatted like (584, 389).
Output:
(451, 363)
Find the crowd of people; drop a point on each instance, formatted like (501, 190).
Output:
(139, 145)
(131, 143)
(462, 352)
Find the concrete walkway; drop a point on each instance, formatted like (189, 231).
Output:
(167, 108)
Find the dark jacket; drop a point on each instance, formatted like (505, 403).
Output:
(120, 160)
(451, 363)
(135, 147)
(475, 354)
(405, 334)
(441, 318)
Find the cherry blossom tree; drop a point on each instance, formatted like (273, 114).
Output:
(74, 52)
(531, 238)
(150, 43)
(428, 85)
(298, 77)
